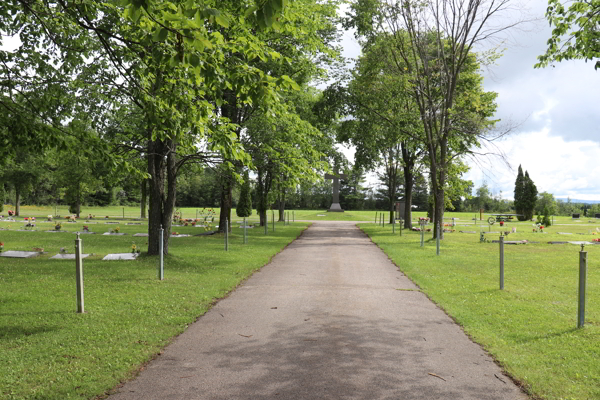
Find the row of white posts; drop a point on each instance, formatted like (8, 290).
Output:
(582, 264)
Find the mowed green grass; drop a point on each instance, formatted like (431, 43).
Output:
(48, 351)
(530, 327)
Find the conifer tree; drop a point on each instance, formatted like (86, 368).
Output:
(519, 195)
(244, 206)
(530, 193)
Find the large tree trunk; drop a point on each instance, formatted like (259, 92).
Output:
(17, 200)
(409, 180)
(143, 200)
(162, 193)
(282, 206)
(226, 202)
(408, 164)
(78, 200)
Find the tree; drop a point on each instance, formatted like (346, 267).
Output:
(544, 201)
(529, 197)
(384, 120)
(579, 23)
(435, 42)
(520, 195)
(303, 38)
(168, 61)
(244, 205)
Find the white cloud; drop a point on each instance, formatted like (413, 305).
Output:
(563, 168)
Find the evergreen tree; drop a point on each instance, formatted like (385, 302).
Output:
(2, 197)
(546, 220)
(244, 206)
(529, 197)
(519, 195)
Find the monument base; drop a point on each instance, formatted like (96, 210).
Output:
(335, 207)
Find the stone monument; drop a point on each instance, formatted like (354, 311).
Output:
(335, 204)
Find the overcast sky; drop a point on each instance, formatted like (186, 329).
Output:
(558, 108)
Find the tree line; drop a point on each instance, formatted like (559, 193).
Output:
(122, 98)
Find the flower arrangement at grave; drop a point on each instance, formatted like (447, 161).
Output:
(49, 218)
(1, 246)
(501, 223)
(593, 240)
(63, 250)
(72, 218)
(86, 228)
(177, 216)
(11, 213)
(90, 216)
(116, 229)
(193, 223)
(133, 248)
(57, 226)
(106, 217)
(175, 233)
(208, 226)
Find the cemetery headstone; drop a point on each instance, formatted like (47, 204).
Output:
(576, 216)
(597, 216)
(67, 256)
(19, 254)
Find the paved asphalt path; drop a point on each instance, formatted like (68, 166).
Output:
(329, 318)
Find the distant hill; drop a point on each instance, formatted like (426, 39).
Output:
(580, 201)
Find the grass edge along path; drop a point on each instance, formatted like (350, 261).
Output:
(47, 351)
(529, 328)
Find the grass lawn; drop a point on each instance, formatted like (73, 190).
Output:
(530, 327)
(47, 351)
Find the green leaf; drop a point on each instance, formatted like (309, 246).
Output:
(161, 35)
(250, 11)
(222, 20)
(194, 60)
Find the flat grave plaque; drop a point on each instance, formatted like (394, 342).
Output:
(321, 215)
(19, 254)
(55, 231)
(512, 241)
(111, 222)
(247, 227)
(67, 256)
(564, 233)
(558, 242)
(579, 243)
(133, 223)
(181, 235)
(468, 232)
(141, 235)
(86, 233)
(120, 256)
(113, 234)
